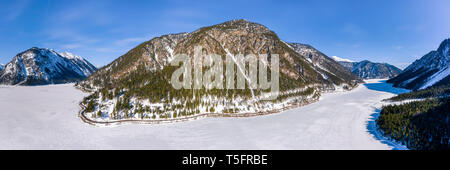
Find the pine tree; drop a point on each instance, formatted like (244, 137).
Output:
(99, 113)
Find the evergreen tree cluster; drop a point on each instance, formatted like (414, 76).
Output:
(421, 125)
(155, 87)
(432, 92)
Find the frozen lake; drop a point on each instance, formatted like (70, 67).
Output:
(46, 117)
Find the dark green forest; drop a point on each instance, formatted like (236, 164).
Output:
(432, 92)
(155, 87)
(420, 125)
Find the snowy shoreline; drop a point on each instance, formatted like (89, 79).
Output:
(85, 119)
(379, 135)
(45, 117)
(135, 120)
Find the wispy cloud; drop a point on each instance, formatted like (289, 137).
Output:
(356, 45)
(181, 25)
(67, 39)
(128, 41)
(412, 28)
(183, 18)
(121, 45)
(71, 46)
(402, 65)
(87, 12)
(106, 50)
(399, 47)
(352, 29)
(12, 11)
(185, 13)
(65, 33)
(348, 45)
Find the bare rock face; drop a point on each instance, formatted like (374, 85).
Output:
(143, 74)
(39, 66)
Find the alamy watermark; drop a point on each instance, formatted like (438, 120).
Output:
(236, 75)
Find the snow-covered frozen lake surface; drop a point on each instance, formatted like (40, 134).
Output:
(46, 117)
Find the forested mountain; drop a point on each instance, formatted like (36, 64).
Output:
(137, 84)
(39, 66)
(430, 70)
(326, 66)
(431, 92)
(424, 123)
(370, 70)
(420, 125)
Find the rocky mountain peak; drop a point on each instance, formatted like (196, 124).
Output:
(432, 69)
(230, 37)
(239, 27)
(69, 55)
(38, 66)
(370, 70)
(36, 53)
(444, 48)
(144, 73)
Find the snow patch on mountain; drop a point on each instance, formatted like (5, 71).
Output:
(436, 78)
(426, 71)
(38, 66)
(370, 70)
(70, 56)
(336, 58)
(323, 64)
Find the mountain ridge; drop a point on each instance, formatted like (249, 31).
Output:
(430, 70)
(326, 66)
(40, 66)
(136, 85)
(371, 70)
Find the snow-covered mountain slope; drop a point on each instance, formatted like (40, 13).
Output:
(137, 84)
(430, 70)
(370, 70)
(330, 70)
(39, 66)
(336, 58)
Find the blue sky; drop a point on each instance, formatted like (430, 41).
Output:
(393, 31)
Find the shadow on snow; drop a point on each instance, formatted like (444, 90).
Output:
(372, 129)
(385, 87)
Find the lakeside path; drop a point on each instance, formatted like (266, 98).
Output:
(46, 117)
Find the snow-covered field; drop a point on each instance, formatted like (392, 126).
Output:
(46, 117)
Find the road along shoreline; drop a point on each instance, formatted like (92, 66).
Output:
(87, 120)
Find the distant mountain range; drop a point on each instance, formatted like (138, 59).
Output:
(137, 84)
(430, 70)
(40, 66)
(326, 66)
(369, 70)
